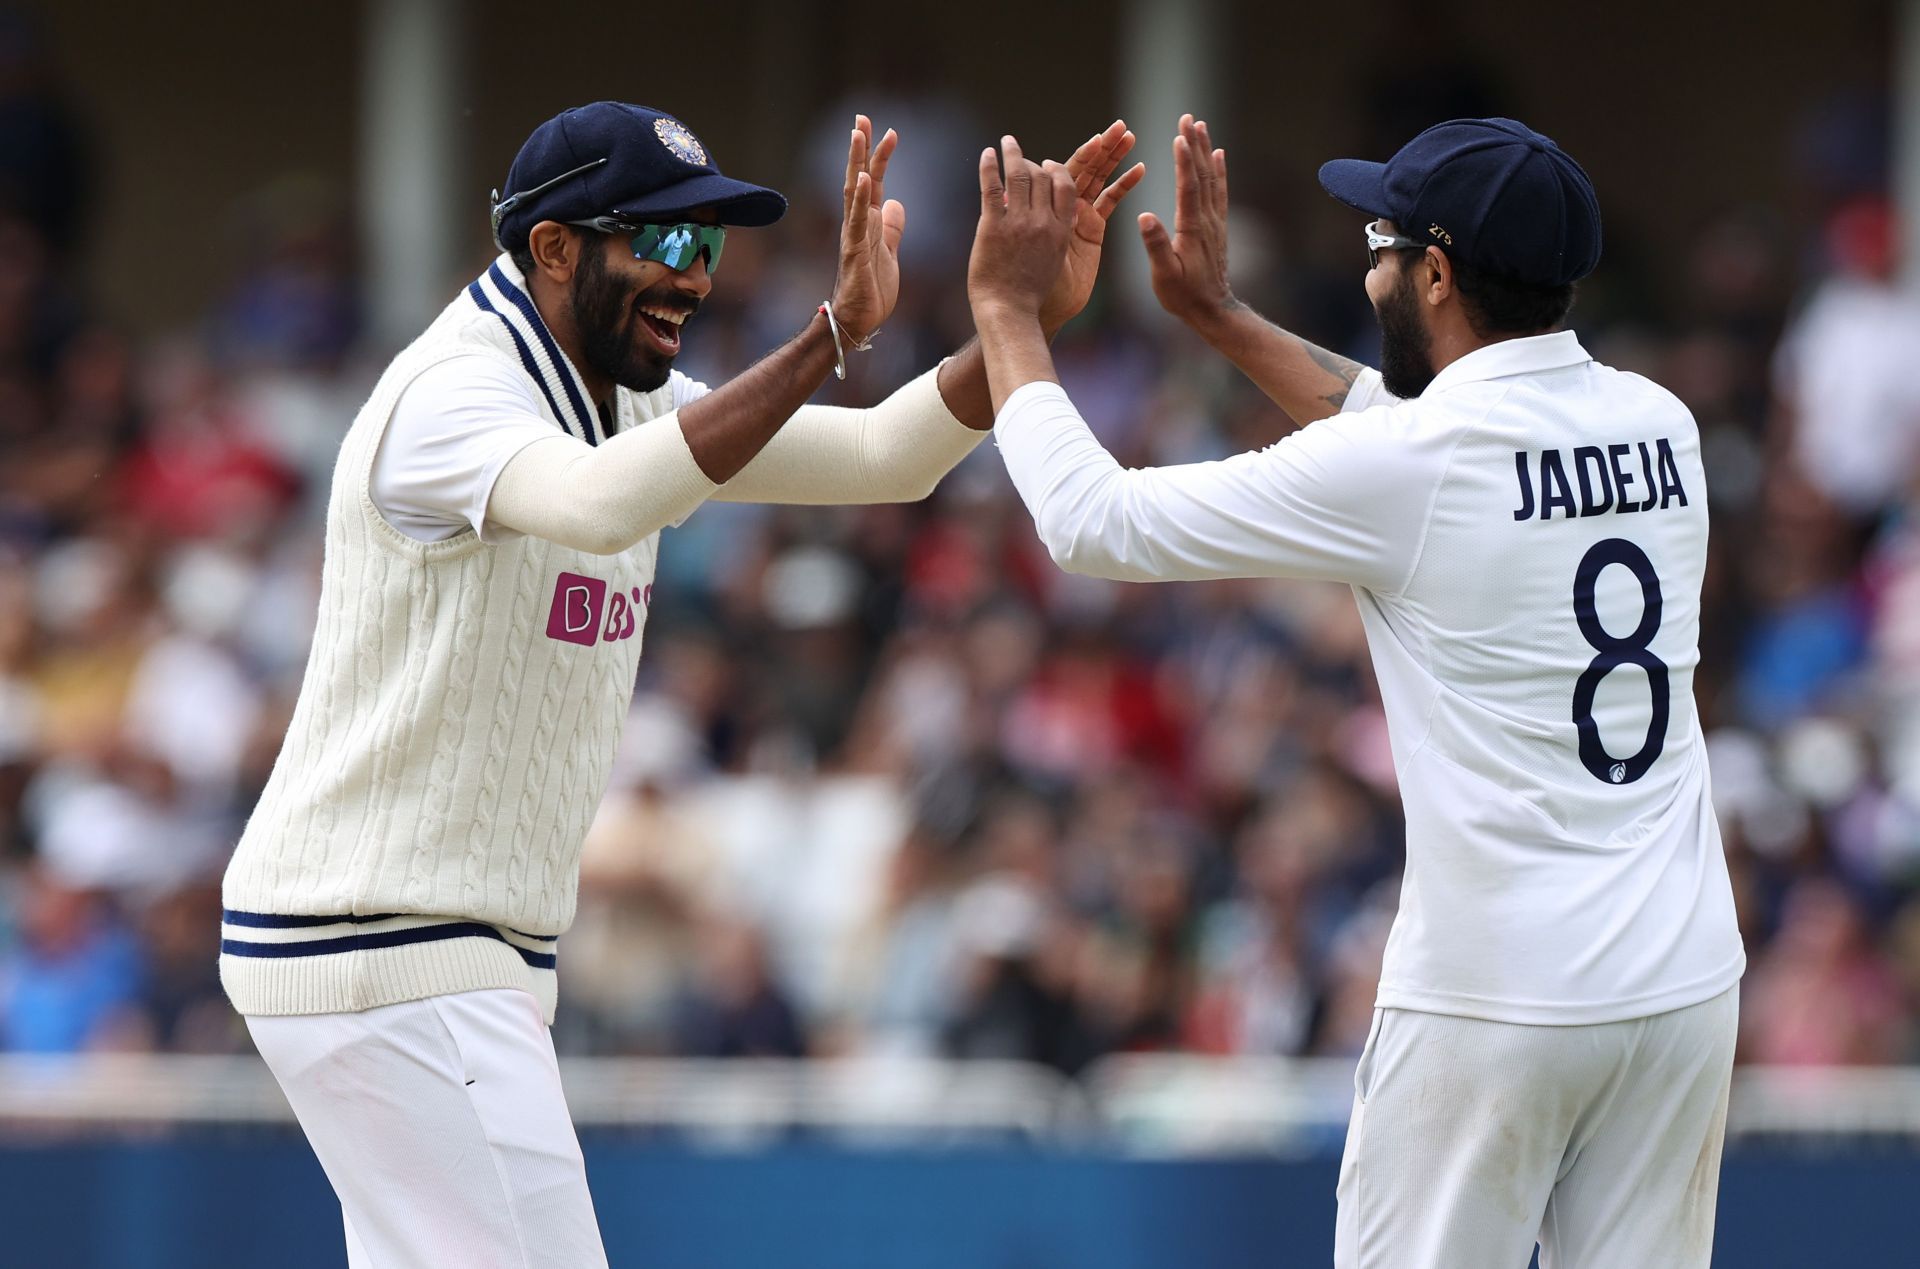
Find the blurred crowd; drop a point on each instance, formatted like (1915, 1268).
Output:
(893, 783)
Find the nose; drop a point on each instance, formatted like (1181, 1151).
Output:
(694, 280)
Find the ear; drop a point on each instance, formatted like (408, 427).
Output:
(1438, 280)
(555, 249)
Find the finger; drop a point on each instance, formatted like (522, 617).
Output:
(893, 223)
(1051, 174)
(1220, 179)
(1019, 173)
(856, 163)
(1084, 163)
(1104, 152)
(1038, 186)
(1065, 195)
(1153, 236)
(860, 213)
(1110, 197)
(1049, 170)
(993, 195)
(1186, 186)
(882, 155)
(1203, 165)
(1115, 142)
(1207, 173)
(1099, 156)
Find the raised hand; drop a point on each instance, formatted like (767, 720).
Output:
(1190, 268)
(1090, 167)
(1021, 242)
(867, 283)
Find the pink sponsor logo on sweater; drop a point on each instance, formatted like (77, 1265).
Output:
(582, 614)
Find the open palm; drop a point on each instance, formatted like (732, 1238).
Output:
(867, 283)
(1090, 167)
(1189, 269)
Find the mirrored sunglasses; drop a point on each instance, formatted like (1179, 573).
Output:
(677, 245)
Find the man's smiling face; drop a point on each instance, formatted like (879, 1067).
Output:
(630, 312)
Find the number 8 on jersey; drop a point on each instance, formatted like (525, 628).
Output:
(1610, 653)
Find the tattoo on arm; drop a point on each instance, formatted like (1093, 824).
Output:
(1305, 380)
(1341, 368)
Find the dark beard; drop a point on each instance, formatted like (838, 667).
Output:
(605, 313)
(1406, 349)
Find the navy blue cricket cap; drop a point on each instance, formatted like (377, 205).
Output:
(1491, 192)
(624, 161)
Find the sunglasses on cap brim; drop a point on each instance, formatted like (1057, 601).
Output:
(675, 245)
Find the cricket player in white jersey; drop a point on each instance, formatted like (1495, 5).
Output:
(1525, 532)
(393, 908)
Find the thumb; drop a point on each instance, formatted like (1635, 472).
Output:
(1153, 236)
(993, 195)
(893, 223)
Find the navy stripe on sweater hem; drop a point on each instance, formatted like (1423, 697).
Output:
(280, 921)
(385, 938)
(274, 921)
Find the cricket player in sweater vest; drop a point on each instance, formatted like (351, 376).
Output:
(1525, 532)
(394, 906)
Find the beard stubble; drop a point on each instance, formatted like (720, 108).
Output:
(605, 312)
(1406, 347)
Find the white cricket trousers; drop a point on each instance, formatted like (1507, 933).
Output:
(442, 1126)
(1470, 1140)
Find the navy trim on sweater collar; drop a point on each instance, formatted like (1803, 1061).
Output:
(499, 291)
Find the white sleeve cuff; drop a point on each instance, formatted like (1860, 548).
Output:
(896, 451)
(1021, 403)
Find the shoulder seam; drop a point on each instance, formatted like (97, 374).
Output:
(1433, 495)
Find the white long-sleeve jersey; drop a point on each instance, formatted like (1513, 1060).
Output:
(1526, 541)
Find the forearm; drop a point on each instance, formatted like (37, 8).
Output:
(1067, 480)
(1099, 519)
(963, 380)
(1014, 349)
(1302, 378)
(1280, 512)
(600, 500)
(963, 386)
(895, 451)
(734, 422)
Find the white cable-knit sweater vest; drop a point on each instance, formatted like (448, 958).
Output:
(421, 830)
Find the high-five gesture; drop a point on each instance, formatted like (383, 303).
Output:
(1026, 222)
(1019, 250)
(1090, 167)
(1190, 268)
(867, 283)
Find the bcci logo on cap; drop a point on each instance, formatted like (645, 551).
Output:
(685, 146)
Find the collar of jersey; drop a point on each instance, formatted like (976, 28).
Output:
(502, 291)
(1526, 355)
